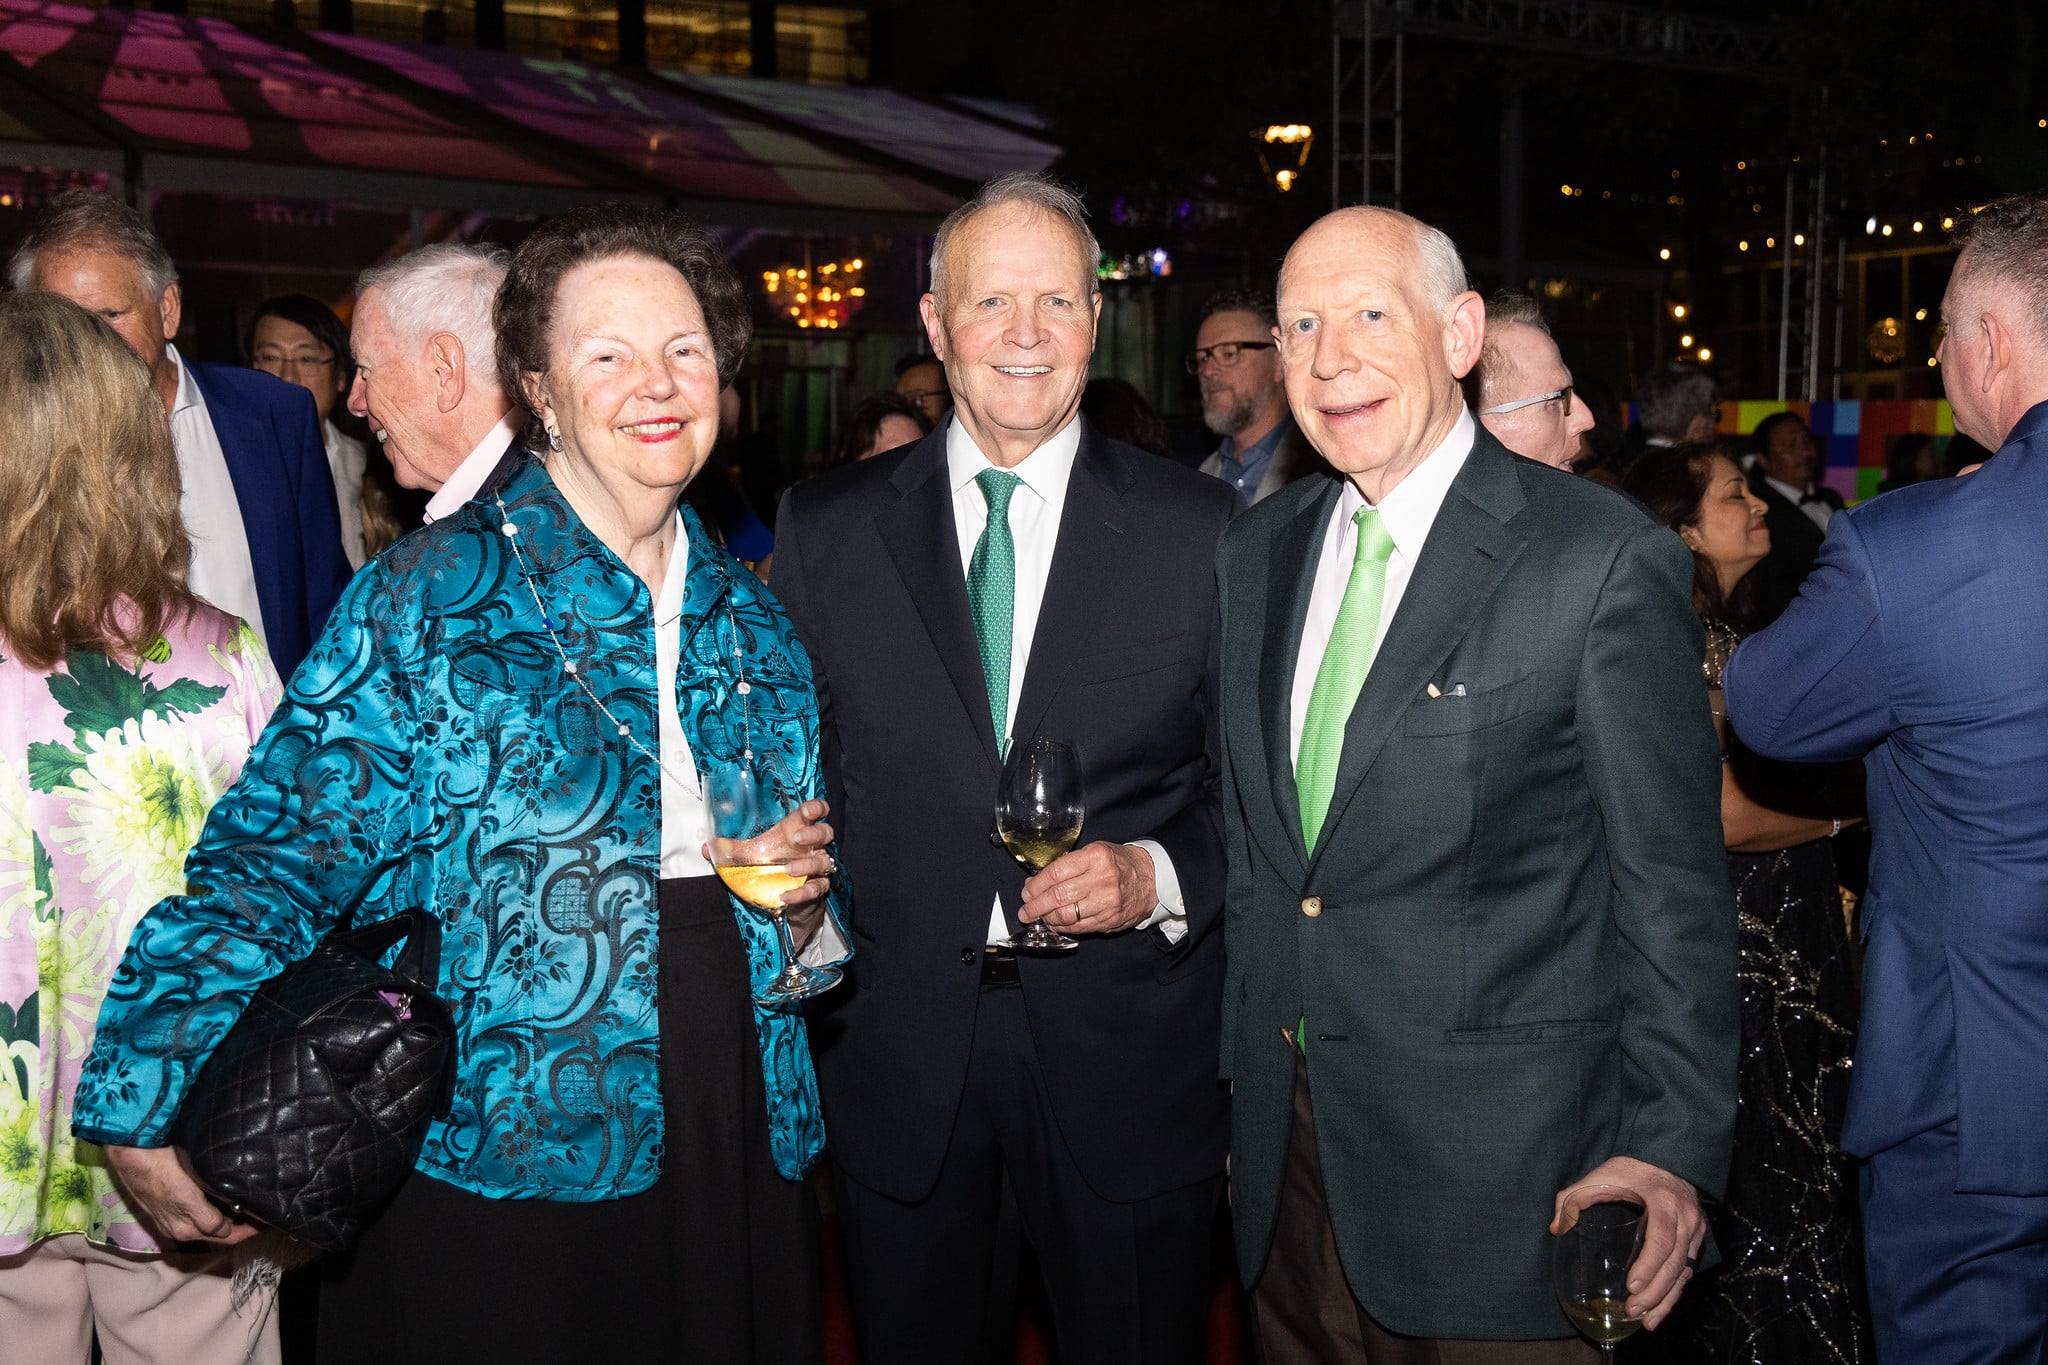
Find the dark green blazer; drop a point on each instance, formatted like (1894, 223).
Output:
(1523, 960)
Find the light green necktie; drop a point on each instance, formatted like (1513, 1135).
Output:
(992, 594)
(1341, 674)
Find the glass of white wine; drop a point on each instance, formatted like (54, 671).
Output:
(748, 798)
(1589, 1267)
(1038, 816)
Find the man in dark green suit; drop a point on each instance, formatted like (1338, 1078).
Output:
(1481, 936)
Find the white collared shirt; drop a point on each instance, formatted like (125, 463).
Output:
(685, 820)
(1035, 508)
(1818, 512)
(1407, 512)
(221, 569)
(346, 461)
(469, 476)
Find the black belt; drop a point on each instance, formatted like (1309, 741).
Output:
(998, 967)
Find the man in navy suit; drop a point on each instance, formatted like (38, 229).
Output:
(1917, 645)
(258, 501)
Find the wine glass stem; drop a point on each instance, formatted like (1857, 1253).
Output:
(794, 971)
(1606, 1353)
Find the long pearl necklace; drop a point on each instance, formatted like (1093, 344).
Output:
(575, 673)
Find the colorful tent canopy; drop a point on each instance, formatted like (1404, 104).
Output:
(658, 133)
(212, 107)
(911, 131)
(201, 104)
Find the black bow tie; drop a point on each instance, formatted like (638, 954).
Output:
(1806, 498)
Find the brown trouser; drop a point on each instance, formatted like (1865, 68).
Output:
(1303, 1312)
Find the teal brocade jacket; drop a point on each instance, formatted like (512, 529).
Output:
(431, 752)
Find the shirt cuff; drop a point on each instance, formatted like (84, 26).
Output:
(1170, 916)
(827, 948)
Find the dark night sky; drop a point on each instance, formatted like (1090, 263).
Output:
(1154, 100)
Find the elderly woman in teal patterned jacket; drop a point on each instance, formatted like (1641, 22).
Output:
(503, 724)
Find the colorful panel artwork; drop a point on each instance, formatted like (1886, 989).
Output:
(1856, 436)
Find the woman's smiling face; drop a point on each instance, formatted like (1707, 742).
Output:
(632, 381)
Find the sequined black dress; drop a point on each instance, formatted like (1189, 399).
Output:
(1789, 1290)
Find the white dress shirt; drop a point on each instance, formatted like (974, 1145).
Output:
(1407, 512)
(1035, 507)
(469, 476)
(1818, 511)
(685, 821)
(346, 461)
(220, 570)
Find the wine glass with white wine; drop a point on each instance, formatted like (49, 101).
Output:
(1038, 816)
(748, 798)
(1589, 1267)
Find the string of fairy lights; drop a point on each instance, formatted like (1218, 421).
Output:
(1883, 231)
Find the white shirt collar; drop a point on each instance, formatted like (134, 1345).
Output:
(188, 387)
(1410, 509)
(1786, 490)
(1045, 471)
(669, 605)
(469, 476)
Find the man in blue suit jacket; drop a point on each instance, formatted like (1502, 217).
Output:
(258, 500)
(1918, 645)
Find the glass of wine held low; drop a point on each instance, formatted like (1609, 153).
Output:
(747, 799)
(1038, 817)
(1589, 1265)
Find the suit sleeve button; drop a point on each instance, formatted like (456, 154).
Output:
(967, 957)
(1312, 906)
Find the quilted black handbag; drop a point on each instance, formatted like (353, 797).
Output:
(311, 1112)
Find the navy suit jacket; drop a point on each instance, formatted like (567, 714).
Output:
(270, 433)
(1917, 644)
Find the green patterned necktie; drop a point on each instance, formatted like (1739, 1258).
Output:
(1341, 674)
(992, 593)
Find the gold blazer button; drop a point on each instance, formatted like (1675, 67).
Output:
(1312, 906)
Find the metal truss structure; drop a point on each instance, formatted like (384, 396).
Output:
(1369, 110)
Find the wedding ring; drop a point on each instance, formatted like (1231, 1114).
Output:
(1692, 1263)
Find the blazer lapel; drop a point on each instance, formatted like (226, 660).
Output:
(1083, 561)
(1469, 550)
(925, 544)
(1292, 582)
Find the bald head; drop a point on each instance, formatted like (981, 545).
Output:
(1526, 397)
(1376, 328)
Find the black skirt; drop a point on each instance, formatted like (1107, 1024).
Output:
(718, 1262)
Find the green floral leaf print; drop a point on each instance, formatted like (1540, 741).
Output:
(159, 651)
(184, 695)
(19, 1025)
(99, 695)
(45, 882)
(51, 766)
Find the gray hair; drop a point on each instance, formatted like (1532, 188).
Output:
(2007, 241)
(1258, 302)
(1038, 192)
(95, 220)
(448, 288)
(1671, 397)
(1504, 309)
(1442, 268)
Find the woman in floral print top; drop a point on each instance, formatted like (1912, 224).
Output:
(126, 708)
